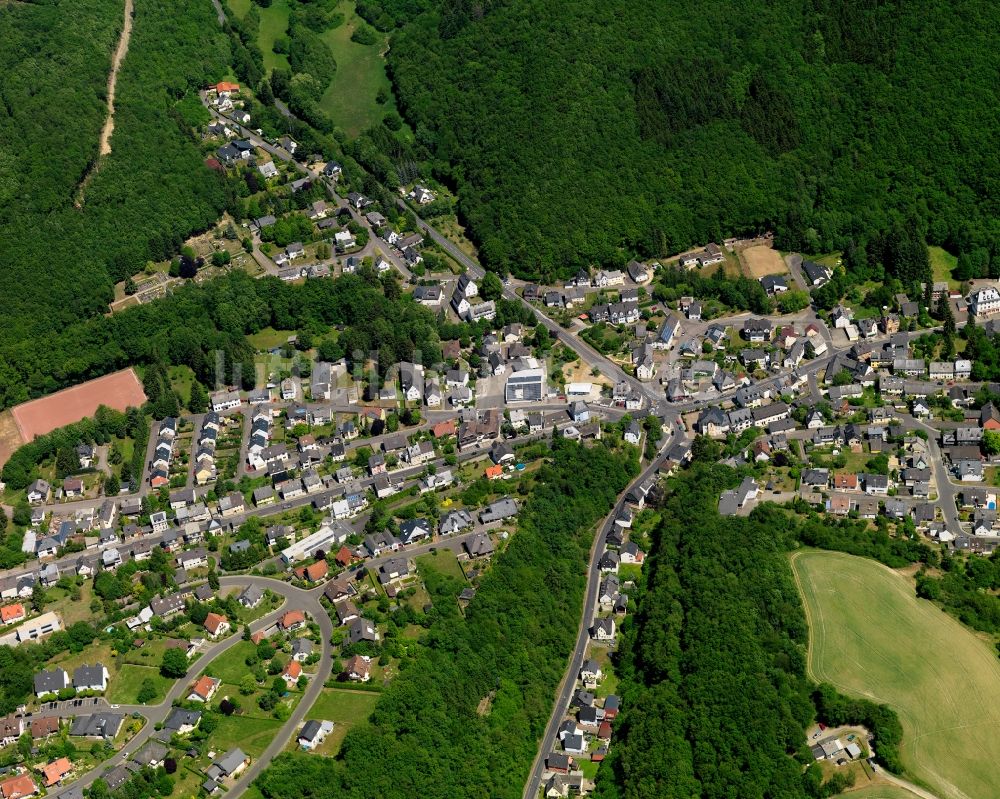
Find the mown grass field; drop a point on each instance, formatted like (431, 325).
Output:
(349, 100)
(231, 665)
(250, 734)
(870, 636)
(443, 561)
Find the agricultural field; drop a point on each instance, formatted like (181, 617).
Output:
(349, 100)
(870, 636)
(881, 792)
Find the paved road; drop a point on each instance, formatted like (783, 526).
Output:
(308, 601)
(568, 685)
(155, 714)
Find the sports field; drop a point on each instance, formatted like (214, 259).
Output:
(119, 391)
(870, 636)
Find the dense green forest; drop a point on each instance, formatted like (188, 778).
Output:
(464, 718)
(579, 132)
(58, 261)
(712, 663)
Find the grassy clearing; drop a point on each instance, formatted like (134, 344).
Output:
(181, 378)
(239, 7)
(942, 265)
(269, 338)
(273, 25)
(349, 100)
(252, 735)
(124, 688)
(346, 709)
(443, 561)
(870, 636)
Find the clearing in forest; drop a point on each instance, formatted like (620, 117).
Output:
(761, 261)
(350, 99)
(870, 636)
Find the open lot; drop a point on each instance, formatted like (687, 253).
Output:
(250, 734)
(119, 390)
(350, 98)
(231, 665)
(444, 561)
(761, 261)
(124, 688)
(870, 636)
(346, 709)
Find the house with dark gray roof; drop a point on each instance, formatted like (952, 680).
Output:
(181, 721)
(98, 725)
(51, 682)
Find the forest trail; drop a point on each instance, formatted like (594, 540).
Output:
(104, 144)
(116, 62)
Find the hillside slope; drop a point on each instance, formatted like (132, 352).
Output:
(579, 131)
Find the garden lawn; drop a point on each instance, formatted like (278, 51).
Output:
(231, 665)
(124, 687)
(870, 636)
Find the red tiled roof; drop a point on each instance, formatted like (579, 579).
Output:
(213, 621)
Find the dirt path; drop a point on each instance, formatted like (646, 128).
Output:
(104, 143)
(116, 62)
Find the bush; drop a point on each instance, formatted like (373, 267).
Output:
(363, 34)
